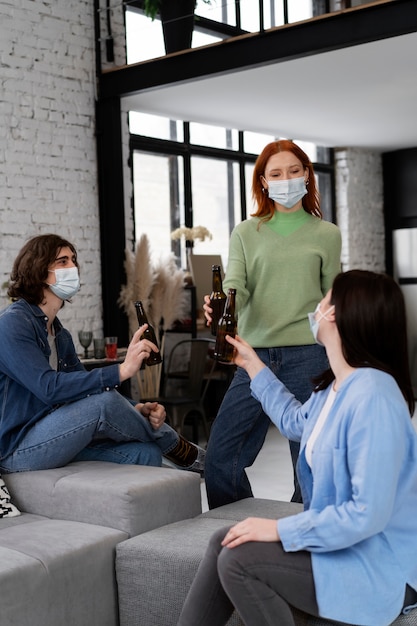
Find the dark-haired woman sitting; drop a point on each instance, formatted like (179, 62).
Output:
(351, 555)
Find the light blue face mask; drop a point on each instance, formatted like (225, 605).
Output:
(67, 282)
(315, 323)
(287, 192)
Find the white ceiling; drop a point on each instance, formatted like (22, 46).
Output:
(361, 96)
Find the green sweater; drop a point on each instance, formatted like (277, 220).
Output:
(280, 272)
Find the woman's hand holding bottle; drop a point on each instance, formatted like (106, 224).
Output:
(245, 356)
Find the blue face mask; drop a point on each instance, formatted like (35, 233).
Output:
(315, 318)
(287, 192)
(67, 282)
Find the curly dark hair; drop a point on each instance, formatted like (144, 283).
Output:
(30, 269)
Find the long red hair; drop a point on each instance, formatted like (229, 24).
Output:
(266, 207)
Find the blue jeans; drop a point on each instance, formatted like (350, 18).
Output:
(240, 428)
(100, 427)
(257, 578)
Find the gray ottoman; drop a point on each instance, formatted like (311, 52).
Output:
(131, 498)
(155, 570)
(57, 572)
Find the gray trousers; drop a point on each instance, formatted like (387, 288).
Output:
(259, 580)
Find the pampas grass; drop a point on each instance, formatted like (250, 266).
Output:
(140, 278)
(169, 300)
(160, 287)
(144, 274)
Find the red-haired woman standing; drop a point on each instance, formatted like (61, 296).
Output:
(282, 262)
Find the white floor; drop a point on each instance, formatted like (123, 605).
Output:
(271, 475)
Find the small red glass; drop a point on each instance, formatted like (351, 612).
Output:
(111, 348)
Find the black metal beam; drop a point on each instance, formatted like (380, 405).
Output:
(112, 221)
(333, 31)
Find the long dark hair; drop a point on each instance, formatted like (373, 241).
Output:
(371, 320)
(266, 206)
(30, 269)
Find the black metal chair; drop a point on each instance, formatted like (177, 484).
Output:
(186, 381)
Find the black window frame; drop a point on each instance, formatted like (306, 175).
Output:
(187, 150)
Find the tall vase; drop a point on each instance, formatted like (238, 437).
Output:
(177, 17)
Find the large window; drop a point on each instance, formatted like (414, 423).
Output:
(215, 186)
(159, 197)
(199, 175)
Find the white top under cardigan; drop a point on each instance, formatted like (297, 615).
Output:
(319, 425)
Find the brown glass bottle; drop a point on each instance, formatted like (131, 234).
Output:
(155, 357)
(223, 350)
(217, 298)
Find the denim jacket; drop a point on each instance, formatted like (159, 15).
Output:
(29, 387)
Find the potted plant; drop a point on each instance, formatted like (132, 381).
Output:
(177, 17)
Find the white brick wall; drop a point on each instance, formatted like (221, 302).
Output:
(127, 179)
(117, 26)
(359, 208)
(48, 172)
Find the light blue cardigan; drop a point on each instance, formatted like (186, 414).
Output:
(360, 495)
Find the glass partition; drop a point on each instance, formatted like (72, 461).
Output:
(158, 200)
(216, 202)
(215, 136)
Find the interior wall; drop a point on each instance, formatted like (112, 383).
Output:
(360, 209)
(112, 34)
(48, 173)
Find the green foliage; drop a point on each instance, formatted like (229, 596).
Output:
(151, 7)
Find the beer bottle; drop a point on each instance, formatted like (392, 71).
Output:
(217, 298)
(155, 357)
(223, 350)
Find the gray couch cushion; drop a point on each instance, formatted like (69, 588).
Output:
(131, 498)
(254, 507)
(155, 570)
(58, 572)
(23, 518)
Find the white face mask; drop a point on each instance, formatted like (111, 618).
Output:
(67, 282)
(315, 323)
(287, 192)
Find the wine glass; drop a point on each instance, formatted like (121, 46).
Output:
(85, 337)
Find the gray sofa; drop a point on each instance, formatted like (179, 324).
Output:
(57, 557)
